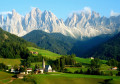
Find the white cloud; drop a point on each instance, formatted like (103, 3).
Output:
(33, 7)
(114, 13)
(6, 12)
(86, 10)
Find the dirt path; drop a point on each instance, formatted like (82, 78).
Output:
(11, 80)
(1, 82)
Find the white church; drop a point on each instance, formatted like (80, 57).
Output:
(46, 68)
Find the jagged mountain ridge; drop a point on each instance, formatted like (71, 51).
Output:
(77, 26)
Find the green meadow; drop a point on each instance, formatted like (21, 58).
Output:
(5, 77)
(57, 78)
(45, 53)
(64, 78)
(11, 62)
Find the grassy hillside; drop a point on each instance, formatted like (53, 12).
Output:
(45, 53)
(63, 78)
(83, 60)
(5, 77)
(58, 78)
(11, 62)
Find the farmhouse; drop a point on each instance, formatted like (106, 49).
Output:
(91, 57)
(31, 52)
(34, 52)
(12, 70)
(29, 70)
(114, 68)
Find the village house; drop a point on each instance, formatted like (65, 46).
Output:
(91, 57)
(114, 68)
(34, 52)
(22, 72)
(29, 70)
(31, 52)
(12, 70)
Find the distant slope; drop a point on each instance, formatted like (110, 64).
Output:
(10, 62)
(61, 44)
(56, 42)
(12, 46)
(107, 50)
(45, 53)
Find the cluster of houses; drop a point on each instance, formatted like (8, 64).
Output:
(34, 52)
(45, 68)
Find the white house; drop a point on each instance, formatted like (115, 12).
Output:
(22, 72)
(29, 70)
(48, 68)
(91, 57)
(12, 70)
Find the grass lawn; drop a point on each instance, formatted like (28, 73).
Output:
(45, 53)
(5, 77)
(73, 69)
(11, 62)
(20, 81)
(83, 60)
(64, 78)
(33, 64)
(58, 78)
(86, 60)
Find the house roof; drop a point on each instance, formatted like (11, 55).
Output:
(47, 66)
(29, 68)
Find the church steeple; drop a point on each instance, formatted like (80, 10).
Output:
(43, 64)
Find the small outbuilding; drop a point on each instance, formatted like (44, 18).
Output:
(21, 76)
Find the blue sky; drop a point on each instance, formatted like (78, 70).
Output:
(62, 8)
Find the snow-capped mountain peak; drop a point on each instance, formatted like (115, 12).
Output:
(87, 23)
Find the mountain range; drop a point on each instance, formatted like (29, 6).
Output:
(83, 25)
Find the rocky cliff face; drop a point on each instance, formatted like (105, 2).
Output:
(85, 24)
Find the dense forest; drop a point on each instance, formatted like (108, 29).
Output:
(12, 46)
(107, 50)
(61, 44)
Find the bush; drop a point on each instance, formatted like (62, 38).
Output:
(3, 66)
(78, 65)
